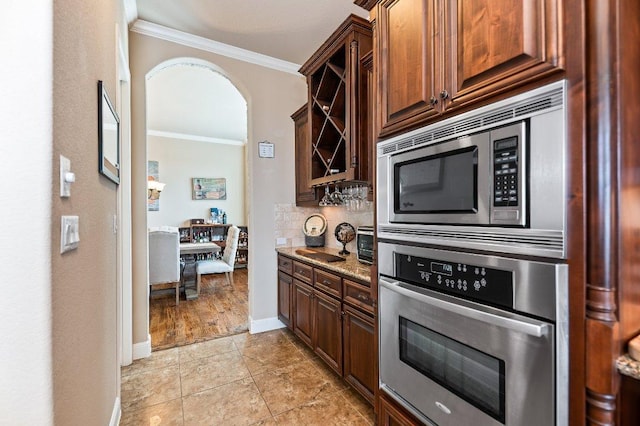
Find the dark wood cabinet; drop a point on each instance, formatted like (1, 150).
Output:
(303, 311)
(437, 57)
(392, 414)
(337, 102)
(335, 316)
(360, 357)
(285, 292)
(327, 336)
(306, 195)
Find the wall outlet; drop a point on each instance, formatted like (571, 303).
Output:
(281, 241)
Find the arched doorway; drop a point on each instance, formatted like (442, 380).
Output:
(196, 128)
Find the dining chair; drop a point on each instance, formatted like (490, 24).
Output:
(218, 266)
(164, 259)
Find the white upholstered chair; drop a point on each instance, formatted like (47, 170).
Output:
(164, 258)
(226, 264)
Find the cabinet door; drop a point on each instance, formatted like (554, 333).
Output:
(285, 283)
(391, 414)
(328, 330)
(492, 45)
(408, 63)
(306, 196)
(360, 356)
(303, 311)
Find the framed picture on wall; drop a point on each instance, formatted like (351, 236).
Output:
(208, 188)
(108, 136)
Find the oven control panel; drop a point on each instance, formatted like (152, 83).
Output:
(489, 285)
(505, 172)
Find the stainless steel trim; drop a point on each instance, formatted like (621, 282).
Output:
(535, 289)
(469, 310)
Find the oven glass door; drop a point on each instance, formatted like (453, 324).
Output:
(443, 183)
(456, 362)
(473, 375)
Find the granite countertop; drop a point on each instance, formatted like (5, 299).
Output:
(628, 366)
(350, 267)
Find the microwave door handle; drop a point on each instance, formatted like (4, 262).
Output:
(530, 328)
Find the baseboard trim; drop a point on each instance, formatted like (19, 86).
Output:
(142, 349)
(116, 413)
(267, 324)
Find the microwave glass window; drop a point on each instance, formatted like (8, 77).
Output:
(474, 376)
(444, 183)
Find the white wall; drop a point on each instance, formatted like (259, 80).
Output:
(182, 160)
(25, 263)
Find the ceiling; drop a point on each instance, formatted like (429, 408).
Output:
(290, 30)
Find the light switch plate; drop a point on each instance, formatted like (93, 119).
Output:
(69, 233)
(65, 187)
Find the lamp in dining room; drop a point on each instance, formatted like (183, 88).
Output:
(154, 188)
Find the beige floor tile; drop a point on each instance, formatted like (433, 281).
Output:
(211, 372)
(262, 358)
(289, 387)
(359, 403)
(328, 374)
(158, 359)
(246, 340)
(206, 349)
(237, 403)
(163, 414)
(150, 387)
(331, 410)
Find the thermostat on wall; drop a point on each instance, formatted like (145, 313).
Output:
(265, 149)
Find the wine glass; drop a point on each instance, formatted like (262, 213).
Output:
(326, 199)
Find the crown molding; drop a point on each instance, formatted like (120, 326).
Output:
(130, 10)
(165, 33)
(190, 137)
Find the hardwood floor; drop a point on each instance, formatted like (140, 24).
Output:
(219, 311)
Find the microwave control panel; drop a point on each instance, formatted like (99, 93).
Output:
(489, 285)
(505, 172)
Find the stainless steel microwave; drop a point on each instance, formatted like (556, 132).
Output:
(495, 175)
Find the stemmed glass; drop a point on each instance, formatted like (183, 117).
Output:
(336, 197)
(326, 199)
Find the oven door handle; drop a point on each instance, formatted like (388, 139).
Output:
(530, 327)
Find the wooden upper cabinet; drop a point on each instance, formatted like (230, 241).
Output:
(306, 195)
(436, 56)
(407, 62)
(492, 45)
(337, 93)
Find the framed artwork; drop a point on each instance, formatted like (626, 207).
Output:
(108, 136)
(153, 173)
(208, 188)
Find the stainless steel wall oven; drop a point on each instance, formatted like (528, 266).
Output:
(470, 339)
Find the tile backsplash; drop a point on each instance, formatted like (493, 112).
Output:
(289, 220)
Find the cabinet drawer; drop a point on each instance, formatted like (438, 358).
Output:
(329, 283)
(302, 272)
(358, 295)
(285, 264)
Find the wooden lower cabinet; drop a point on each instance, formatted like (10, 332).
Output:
(360, 357)
(391, 414)
(285, 293)
(303, 311)
(341, 332)
(328, 330)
